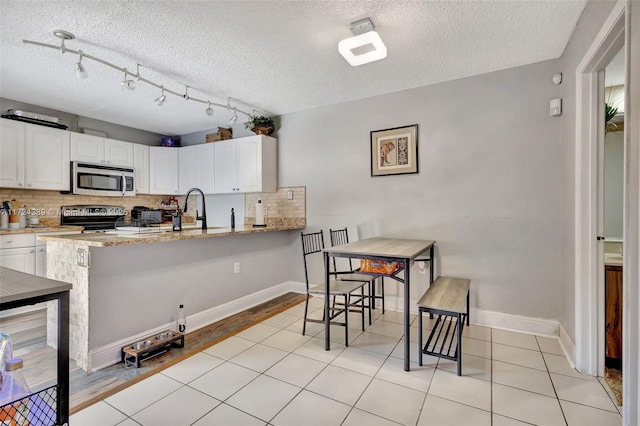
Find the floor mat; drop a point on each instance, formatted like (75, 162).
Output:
(614, 380)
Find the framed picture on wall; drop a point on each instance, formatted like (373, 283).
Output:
(394, 151)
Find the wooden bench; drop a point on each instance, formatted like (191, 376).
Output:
(448, 298)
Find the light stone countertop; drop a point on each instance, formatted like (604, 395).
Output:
(38, 230)
(114, 240)
(613, 259)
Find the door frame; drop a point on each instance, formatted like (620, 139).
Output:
(625, 17)
(589, 137)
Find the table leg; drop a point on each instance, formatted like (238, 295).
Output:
(433, 263)
(407, 336)
(63, 359)
(327, 319)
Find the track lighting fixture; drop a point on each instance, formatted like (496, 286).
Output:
(209, 110)
(160, 100)
(81, 73)
(131, 83)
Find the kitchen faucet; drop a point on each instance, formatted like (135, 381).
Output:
(203, 218)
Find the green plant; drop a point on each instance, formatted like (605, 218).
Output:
(258, 121)
(609, 113)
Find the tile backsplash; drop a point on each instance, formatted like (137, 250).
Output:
(277, 205)
(47, 203)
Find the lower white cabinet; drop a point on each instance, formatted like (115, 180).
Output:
(195, 165)
(163, 170)
(18, 252)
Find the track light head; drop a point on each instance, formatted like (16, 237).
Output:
(235, 117)
(162, 99)
(209, 110)
(81, 73)
(128, 84)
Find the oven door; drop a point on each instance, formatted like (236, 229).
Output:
(90, 179)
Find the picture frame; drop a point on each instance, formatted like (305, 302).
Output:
(394, 151)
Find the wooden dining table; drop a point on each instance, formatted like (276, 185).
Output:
(400, 250)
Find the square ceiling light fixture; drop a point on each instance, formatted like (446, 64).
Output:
(366, 46)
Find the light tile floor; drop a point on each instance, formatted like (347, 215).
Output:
(270, 374)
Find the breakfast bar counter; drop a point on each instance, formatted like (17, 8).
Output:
(126, 287)
(129, 238)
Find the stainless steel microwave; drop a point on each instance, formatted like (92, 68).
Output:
(98, 179)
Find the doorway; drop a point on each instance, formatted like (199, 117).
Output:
(611, 211)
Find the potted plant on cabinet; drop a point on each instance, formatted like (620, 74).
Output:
(260, 125)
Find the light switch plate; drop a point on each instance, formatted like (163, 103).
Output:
(555, 107)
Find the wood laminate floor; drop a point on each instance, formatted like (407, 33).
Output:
(28, 335)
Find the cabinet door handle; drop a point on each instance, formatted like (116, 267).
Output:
(30, 251)
(20, 184)
(29, 185)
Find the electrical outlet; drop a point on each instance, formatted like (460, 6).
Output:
(236, 267)
(289, 195)
(82, 257)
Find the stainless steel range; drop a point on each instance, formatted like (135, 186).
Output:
(93, 217)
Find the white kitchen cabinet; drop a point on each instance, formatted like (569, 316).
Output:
(195, 165)
(20, 259)
(118, 153)
(18, 252)
(141, 166)
(11, 154)
(99, 150)
(41, 261)
(163, 170)
(245, 165)
(87, 148)
(46, 158)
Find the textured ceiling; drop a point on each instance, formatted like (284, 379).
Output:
(276, 56)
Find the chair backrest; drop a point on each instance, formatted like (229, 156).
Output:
(311, 243)
(338, 238)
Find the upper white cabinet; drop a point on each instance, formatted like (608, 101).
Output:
(33, 157)
(163, 170)
(46, 158)
(98, 150)
(141, 166)
(195, 165)
(118, 153)
(245, 165)
(11, 154)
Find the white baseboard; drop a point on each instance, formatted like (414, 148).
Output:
(110, 354)
(510, 322)
(568, 346)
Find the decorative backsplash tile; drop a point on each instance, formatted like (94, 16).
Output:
(46, 204)
(277, 204)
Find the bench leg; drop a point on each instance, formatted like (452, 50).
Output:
(459, 349)
(467, 308)
(420, 337)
